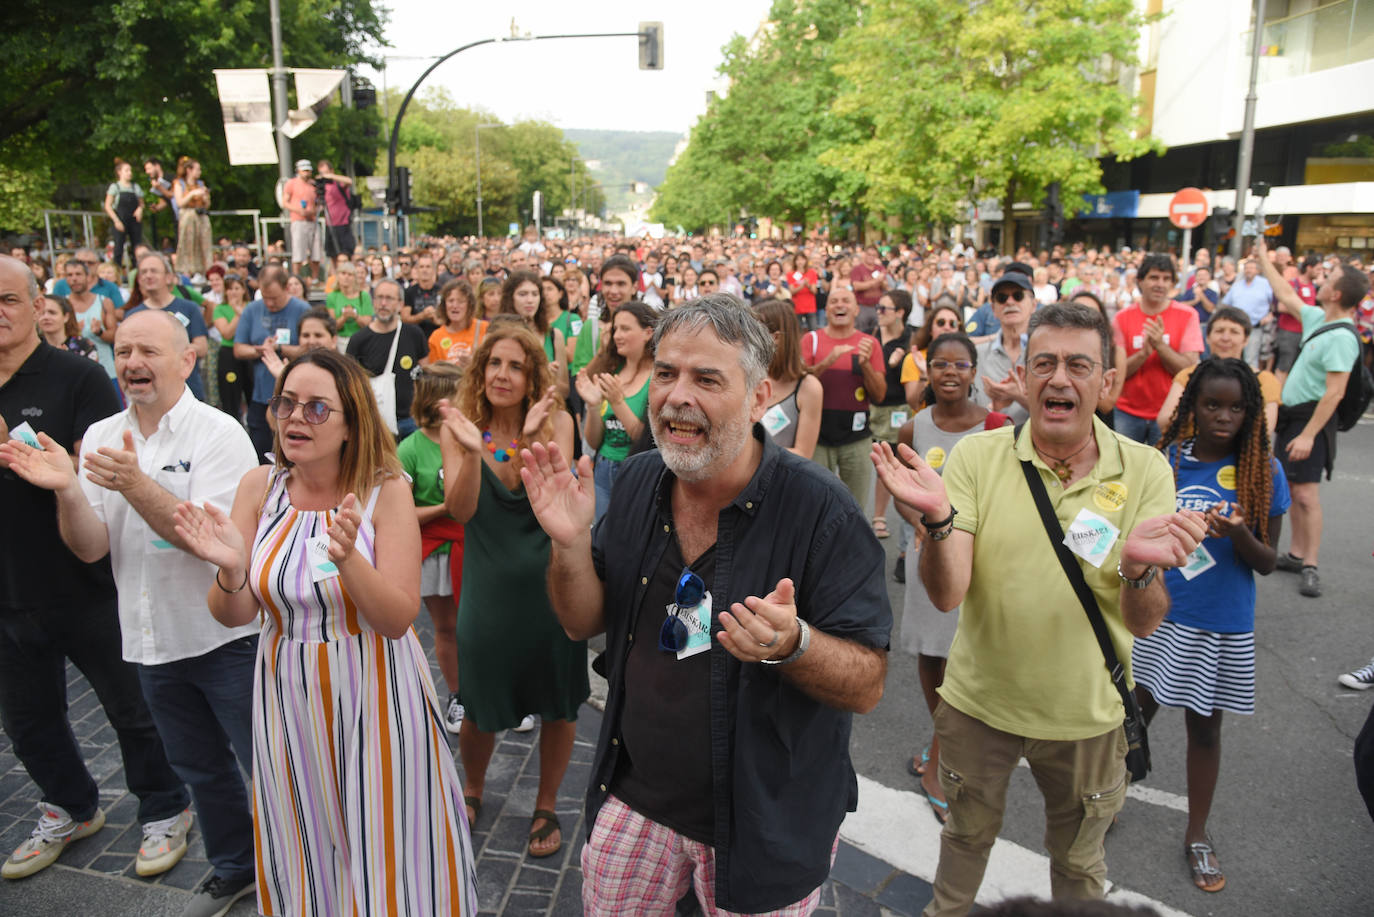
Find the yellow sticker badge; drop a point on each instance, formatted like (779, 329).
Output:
(407, 362)
(1226, 477)
(446, 343)
(1110, 496)
(935, 458)
(859, 394)
(231, 377)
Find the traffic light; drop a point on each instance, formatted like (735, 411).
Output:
(1054, 212)
(651, 46)
(398, 192)
(1221, 221)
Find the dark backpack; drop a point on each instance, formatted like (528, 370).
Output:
(1359, 387)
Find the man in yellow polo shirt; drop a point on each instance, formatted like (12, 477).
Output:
(1026, 677)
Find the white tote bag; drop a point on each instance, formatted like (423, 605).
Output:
(384, 385)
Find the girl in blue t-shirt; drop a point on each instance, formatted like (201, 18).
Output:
(1202, 657)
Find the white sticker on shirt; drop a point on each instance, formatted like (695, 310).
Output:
(775, 420)
(1091, 537)
(698, 621)
(283, 336)
(1138, 342)
(321, 566)
(26, 435)
(860, 421)
(1199, 562)
(898, 418)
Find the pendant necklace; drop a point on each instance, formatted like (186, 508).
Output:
(1061, 467)
(501, 455)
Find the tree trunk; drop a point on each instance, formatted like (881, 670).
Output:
(1008, 219)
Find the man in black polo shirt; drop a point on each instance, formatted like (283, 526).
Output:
(371, 346)
(53, 607)
(741, 591)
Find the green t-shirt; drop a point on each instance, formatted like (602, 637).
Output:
(564, 324)
(616, 443)
(337, 302)
(424, 462)
(588, 343)
(1333, 352)
(224, 310)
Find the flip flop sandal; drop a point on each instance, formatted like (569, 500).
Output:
(1203, 866)
(880, 527)
(939, 807)
(538, 834)
(918, 770)
(474, 803)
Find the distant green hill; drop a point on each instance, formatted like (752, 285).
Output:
(626, 157)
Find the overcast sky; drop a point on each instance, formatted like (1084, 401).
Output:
(573, 83)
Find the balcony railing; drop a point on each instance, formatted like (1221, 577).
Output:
(1331, 35)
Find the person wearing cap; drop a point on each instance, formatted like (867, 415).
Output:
(996, 386)
(300, 198)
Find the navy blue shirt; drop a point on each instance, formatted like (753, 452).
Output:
(779, 761)
(256, 323)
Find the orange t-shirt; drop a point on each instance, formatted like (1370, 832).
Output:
(448, 346)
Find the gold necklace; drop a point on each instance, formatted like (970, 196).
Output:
(1061, 467)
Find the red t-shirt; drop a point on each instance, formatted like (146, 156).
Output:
(860, 273)
(803, 300)
(844, 402)
(1307, 292)
(302, 198)
(1143, 394)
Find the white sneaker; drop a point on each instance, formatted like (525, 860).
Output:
(1360, 679)
(526, 724)
(453, 714)
(55, 830)
(164, 844)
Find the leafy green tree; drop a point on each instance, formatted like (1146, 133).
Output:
(991, 99)
(82, 82)
(761, 147)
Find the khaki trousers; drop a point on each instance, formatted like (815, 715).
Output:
(1084, 785)
(854, 466)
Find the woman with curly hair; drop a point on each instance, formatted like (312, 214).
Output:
(513, 656)
(1202, 656)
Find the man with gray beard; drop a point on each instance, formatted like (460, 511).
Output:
(742, 594)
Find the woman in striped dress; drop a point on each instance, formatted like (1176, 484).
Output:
(1202, 656)
(356, 804)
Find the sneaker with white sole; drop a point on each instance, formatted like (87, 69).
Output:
(164, 844)
(526, 724)
(55, 830)
(216, 895)
(453, 714)
(1360, 679)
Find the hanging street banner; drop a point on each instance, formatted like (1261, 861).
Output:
(246, 102)
(314, 90)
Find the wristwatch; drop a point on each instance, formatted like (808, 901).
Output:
(802, 645)
(1146, 578)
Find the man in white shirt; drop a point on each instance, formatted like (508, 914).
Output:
(197, 675)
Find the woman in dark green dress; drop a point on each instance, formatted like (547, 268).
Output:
(513, 656)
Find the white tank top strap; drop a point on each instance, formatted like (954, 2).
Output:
(372, 501)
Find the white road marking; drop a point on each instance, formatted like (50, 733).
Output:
(897, 827)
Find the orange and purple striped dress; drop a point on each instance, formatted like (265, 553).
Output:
(357, 807)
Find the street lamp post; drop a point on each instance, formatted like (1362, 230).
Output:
(477, 142)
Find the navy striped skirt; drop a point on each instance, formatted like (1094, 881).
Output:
(1197, 669)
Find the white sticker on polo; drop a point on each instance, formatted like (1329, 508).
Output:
(1091, 537)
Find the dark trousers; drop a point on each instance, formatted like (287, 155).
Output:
(234, 378)
(339, 239)
(34, 649)
(1364, 762)
(133, 236)
(258, 430)
(203, 707)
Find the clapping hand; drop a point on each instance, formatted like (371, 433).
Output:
(1165, 541)
(272, 361)
(459, 429)
(211, 535)
(761, 628)
(586, 387)
(564, 505)
(610, 388)
(865, 348)
(1221, 524)
(538, 414)
(343, 533)
(914, 483)
(115, 469)
(49, 468)
(1011, 388)
(1154, 333)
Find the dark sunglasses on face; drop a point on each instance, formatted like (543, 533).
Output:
(673, 635)
(946, 323)
(1001, 297)
(314, 412)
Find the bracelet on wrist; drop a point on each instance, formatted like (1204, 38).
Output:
(947, 521)
(225, 589)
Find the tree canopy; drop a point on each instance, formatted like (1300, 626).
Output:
(86, 81)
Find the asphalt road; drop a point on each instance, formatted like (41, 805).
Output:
(1292, 833)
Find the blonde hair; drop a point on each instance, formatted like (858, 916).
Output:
(368, 455)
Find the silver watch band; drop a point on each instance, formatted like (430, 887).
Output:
(802, 645)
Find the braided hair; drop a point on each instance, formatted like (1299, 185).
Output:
(1254, 473)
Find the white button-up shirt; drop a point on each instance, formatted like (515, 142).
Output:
(197, 453)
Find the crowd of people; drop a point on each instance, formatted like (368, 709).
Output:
(248, 472)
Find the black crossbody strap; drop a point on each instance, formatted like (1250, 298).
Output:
(1075, 575)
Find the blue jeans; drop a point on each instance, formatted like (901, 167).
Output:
(1141, 429)
(203, 707)
(604, 472)
(258, 430)
(34, 649)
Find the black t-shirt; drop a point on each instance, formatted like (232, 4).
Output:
(896, 392)
(60, 394)
(665, 772)
(418, 300)
(370, 349)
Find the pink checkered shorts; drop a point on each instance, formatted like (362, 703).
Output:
(633, 865)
